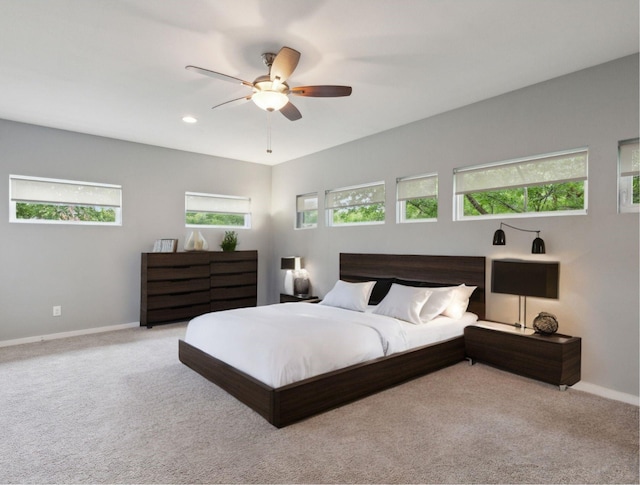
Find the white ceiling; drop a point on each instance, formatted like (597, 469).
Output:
(115, 68)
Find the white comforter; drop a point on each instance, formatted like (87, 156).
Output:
(274, 343)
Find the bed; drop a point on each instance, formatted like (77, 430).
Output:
(284, 404)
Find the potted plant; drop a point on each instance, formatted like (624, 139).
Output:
(230, 241)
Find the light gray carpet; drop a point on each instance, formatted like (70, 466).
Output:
(120, 408)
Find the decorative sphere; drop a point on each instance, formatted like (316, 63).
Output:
(545, 323)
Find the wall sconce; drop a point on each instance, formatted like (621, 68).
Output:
(525, 278)
(499, 239)
(296, 279)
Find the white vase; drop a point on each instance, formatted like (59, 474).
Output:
(196, 242)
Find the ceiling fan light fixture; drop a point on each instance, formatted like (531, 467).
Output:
(270, 100)
(268, 95)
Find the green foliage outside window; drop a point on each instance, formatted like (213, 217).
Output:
(425, 208)
(308, 218)
(215, 219)
(636, 189)
(56, 212)
(541, 198)
(359, 214)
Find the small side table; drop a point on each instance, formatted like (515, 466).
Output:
(549, 358)
(284, 298)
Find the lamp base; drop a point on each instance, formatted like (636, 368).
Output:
(301, 286)
(288, 282)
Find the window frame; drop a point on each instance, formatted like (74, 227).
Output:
(458, 196)
(246, 215)
(401, 210)
(115, 205)
(300, 214)
(329, 208)
(625, 180)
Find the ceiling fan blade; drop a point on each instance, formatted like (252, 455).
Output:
(321, 91)
(218, 75)
(284, 64)
(291, 112)
(233, 102)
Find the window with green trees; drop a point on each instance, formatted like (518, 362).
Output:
(554, 183)
(629, 175)
(42, 200)
(217, 210)
(417, 198)
(362, 204)
(307, 211)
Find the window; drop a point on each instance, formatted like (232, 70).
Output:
(629, 176)
(417, 198)
(362, 204)
(53, 201)
(554, 184)
(217, 210)
(307, 211)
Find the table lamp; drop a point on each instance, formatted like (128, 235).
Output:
(525, 278)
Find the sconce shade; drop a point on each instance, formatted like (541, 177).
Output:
(499, 238)
(538, 246)
(525, 278)
(292, 263)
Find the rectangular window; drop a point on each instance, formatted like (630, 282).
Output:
(553, 184)
(217, 210)
(417, 198)
(307, 211)
(54, 201)
(362, 204)
(629, 175)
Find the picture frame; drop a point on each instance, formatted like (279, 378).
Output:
(165, 246)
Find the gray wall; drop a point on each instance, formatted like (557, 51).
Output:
(598, 252)
(93, 272)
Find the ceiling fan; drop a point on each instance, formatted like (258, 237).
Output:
(271, 91)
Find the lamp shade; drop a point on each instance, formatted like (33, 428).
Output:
(525, 278)
(499, 238)
(292, 262)
(538, 246)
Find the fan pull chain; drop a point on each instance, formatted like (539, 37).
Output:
(269, 132)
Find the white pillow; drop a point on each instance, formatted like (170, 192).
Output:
(404, 303)
(437, 303)
(460, 301)
(351, 296)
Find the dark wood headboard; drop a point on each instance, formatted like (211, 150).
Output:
(429, 270)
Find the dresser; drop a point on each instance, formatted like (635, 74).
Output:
(180, 286)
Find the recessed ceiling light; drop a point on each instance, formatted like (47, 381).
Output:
(189, 119)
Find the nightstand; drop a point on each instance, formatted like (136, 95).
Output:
(295, 298)
(549, 358)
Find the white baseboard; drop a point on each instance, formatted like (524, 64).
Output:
(75, 333)
(605, 392)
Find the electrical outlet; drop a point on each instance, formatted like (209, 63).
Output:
(57, 311)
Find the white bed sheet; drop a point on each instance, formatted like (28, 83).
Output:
(284, 343)
(439, 329)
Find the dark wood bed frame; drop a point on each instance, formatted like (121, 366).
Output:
(291, 403)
